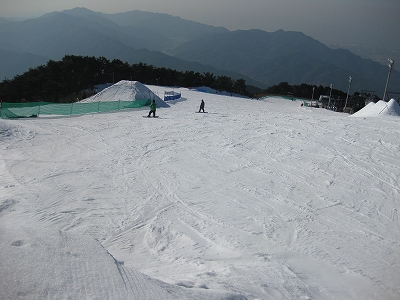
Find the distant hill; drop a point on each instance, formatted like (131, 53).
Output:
(18, 63)
(174, 28)
(83, 32)
(261, 58)
(3, 20)
(285, 56)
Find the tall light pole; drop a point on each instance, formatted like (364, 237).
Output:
(391, 63)
(330, 95)
(312, 96)
(347, 97)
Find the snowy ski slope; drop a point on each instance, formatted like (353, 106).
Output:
(258, 199)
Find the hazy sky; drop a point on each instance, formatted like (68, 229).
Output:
(370, 22)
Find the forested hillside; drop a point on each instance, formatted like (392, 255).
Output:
(74, 77)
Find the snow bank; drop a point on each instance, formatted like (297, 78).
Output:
(126, 90)
(381, 108)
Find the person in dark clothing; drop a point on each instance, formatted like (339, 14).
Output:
(153, 108)
(202, 106)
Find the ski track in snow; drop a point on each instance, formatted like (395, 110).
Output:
(262, 199)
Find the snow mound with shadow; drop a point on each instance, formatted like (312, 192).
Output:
(126, 90)
(381, 108)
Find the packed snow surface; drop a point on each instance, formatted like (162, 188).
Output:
(256, 199)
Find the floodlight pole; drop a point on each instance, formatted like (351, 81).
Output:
(330, 95)
(312, 96)
(391, 63)
(348, 91)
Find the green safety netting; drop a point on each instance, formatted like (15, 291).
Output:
(34, 109)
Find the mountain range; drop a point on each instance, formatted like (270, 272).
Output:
(261, 58)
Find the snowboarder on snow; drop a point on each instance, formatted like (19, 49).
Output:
(153, 108)
(201, 105)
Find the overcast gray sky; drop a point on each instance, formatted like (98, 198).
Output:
(369, 22)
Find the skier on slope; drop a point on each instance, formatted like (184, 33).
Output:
(153, 108)
(202, 105)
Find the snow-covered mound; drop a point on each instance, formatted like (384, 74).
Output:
(126, 90)
(381, 108)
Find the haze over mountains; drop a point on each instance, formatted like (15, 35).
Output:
(261, 58)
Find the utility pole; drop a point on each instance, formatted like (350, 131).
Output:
(330, 95)
(391, 63)
(312, 96)
(347, 97)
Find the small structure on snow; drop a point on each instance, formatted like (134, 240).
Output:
(171, 95)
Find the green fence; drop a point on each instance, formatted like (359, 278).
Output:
(34, 109)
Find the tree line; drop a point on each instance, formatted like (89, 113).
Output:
(303, 90)
(73, 77)
(307, 91)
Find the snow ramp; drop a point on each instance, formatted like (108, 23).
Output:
(126, 90)
(381, 108)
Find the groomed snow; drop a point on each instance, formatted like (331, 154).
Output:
(257, 199)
